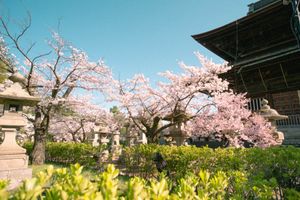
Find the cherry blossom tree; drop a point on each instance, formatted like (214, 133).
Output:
(233, 122)
(197, 97)
(6, 60)
(77, 119)
(54, 76)
(180, 99)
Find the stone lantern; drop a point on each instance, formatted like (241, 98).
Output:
(115, 146)
(142, 139)
(104, 132)
(131, 137)
(13, 158)
(94, 138)
(100, 134)
(176, 134)
(272, 116)
(115, 138)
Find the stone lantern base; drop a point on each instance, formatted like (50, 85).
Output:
(116, 152)
(13, 160)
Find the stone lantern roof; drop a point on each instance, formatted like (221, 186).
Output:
(14, 98)
(270, 113)
(16, 93)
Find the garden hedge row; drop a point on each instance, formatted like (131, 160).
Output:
(279, 163)
(70, 153)
(276, 165)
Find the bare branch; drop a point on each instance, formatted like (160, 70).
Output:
(29, 118)
(41, 55)
(68, 92)
(31, 46)
(27, 26)
(135, 122)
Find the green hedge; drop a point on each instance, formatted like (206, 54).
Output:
(279, 163)
(54, 184)
(70, 153)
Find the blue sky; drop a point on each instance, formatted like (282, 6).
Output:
(132, 36)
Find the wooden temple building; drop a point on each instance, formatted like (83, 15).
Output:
(263, 48)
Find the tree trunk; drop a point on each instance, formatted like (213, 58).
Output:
(73, 137)
(152, 137)
(39, 147)
(40, 136)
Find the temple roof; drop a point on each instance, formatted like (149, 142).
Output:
(263, 35)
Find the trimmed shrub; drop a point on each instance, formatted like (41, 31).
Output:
(53, 184)
(70, 153)
(261, 168)
(276, 164)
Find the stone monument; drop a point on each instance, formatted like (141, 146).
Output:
(272, 116)
(13, 158)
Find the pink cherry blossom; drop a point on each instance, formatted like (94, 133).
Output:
(197, 97)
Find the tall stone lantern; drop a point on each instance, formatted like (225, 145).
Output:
(104, 132)
(131, 137)
(272, 116)
(176, 132)
(115, 146)
(13, 158)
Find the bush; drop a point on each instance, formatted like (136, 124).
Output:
(261, 166)
(69, 183)
(259, 169)
(70, 153)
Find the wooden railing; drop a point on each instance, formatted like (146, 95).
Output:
(255, 104)
(292, 121)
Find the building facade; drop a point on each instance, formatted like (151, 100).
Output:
(264, 49)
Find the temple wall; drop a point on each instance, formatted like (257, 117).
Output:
(287, 103)
(291, 135)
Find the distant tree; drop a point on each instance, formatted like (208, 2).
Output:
(76, 120)
(3, 70)
(114, 109)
